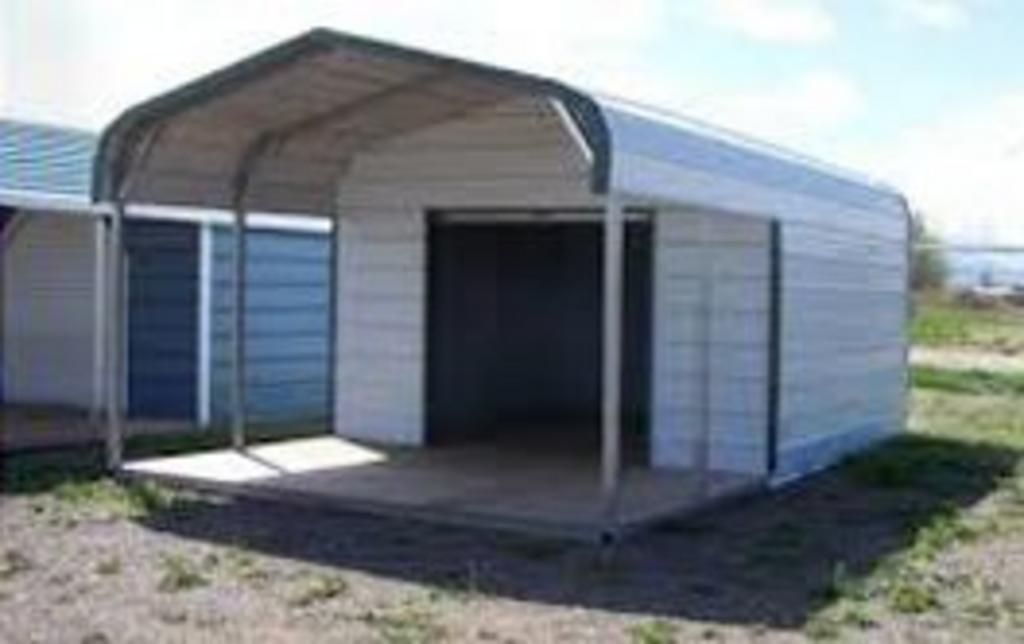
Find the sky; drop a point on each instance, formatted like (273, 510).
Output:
(927, 95)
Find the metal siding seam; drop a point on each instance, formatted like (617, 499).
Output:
(706, 299)
(774, 346)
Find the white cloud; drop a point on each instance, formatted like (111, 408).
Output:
(92, 58)
(792, 111)
(938, 14)
(965, 171)
(789, 21)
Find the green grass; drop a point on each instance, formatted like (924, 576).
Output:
(955, 480)
(943, 322)
(969, 381)
(105, 497)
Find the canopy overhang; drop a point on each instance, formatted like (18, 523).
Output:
(279, 129)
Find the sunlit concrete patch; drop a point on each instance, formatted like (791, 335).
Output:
(225, 466)
(310, 455)
(261, 462)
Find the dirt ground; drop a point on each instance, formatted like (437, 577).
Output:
(90, 561)
(920, 540)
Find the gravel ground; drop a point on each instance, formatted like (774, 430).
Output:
(96, 565)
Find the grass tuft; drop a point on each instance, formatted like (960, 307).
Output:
(912, 594)
(319, 590)
(406, 625)
(14, 562)
(655, 631)
(179, 574)
(109, 499)
(109, 567)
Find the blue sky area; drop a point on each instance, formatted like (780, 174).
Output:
(926, 94)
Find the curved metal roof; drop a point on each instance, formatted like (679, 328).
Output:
(45, 166)
(307, 106)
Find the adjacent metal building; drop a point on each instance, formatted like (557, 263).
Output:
(178, 295)
(517, 258)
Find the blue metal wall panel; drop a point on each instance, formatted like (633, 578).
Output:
(162, 318)
(287, 325)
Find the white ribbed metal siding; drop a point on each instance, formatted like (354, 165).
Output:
(843, 260)
(733, 255)
(843, 339)
(844, 316)
(515, 155)
(49, 312)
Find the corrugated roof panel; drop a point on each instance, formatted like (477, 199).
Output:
(45, 160)
(676, 140)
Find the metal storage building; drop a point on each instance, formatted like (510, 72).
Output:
(518, 261)
(177, 298)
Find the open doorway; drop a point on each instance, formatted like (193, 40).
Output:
(514, 331)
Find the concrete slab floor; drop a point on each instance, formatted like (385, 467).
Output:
(487, 485)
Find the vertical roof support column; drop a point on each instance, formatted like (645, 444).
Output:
(238, 407)
(255, 153)
(204, 322)
(115, 318)
(611, 363)
(100, 334)
(116, 291)
(333, 317)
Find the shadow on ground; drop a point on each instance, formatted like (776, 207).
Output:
(770, 560)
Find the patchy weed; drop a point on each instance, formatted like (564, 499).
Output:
(245, 567)
(656, 631)
(14, 562)
(109, 567)
(320, 589)
(406, 625)
(180, 574)
(912, 594)
(109, 499)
